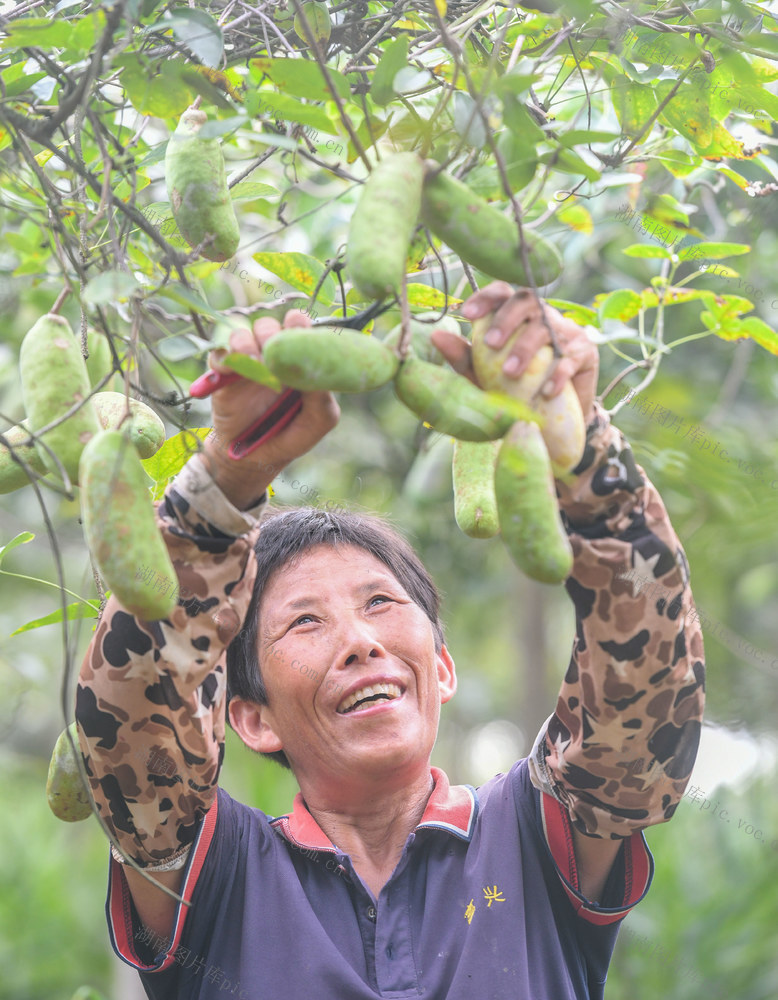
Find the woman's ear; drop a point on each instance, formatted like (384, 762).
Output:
(254, 724)
(447, 676)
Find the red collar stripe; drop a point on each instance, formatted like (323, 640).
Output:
(450, 808)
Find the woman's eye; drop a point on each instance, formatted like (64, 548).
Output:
(302, 619)
(379, 597)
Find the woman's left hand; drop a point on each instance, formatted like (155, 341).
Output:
(514, 309)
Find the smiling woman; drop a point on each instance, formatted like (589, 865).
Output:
(435, 877)
(285, 536)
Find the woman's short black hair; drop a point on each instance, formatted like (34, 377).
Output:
(288, 532)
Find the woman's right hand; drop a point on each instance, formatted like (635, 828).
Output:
(238, 405)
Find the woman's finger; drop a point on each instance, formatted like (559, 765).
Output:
(487, 299)
(456, 350)
(296, 317)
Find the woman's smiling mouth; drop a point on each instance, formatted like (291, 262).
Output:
(368, 696)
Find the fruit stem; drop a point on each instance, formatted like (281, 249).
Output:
(54, 311)
(404, 343)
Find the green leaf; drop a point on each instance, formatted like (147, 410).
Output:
(17, 540)
(575, 311)
(180, 347)
(16, 79)
(222, 126)
(734, 176)
(198, 31)
(677, 163)
(300, 271)
(515, 84)
(763, 334)
(253, 369)
(394, 58)
(36, 31)
(125, 190)
(646, 250)
(622, 304)
(110, 286)
(467, 120)
(302, 78)
(78, 609)
(634, 104)
(714, 251)
(162, 94)
(520, 162)
(688, 112)
(186, 297)
(172, 457)
(426, 297)
(250, 191)
(284, 108)
(578, 136)
(520, 122)
(409, 79)
(570, 163)
(673, 296)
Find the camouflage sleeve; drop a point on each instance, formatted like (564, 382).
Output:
(619, 749)
(151, 694)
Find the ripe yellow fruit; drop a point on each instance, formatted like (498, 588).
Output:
(564, 430)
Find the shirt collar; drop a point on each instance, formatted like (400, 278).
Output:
(451, 808)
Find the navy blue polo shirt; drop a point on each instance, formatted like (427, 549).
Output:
(483, 903)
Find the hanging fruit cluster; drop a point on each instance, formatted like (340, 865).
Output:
(503, 468)
(97, 440)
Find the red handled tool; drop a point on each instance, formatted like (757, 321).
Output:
(288, 404)
(281, 413)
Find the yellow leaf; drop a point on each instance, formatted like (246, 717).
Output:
(722, 143)
(576, 217)
(220, 80)
(634, 104)
(442, 7)
(688, 111)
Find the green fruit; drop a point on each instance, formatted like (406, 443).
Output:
(54, 378)
(527, 506)
(197, 188)
(341, 361)
(283, 14)
(121, 530)
(382, 225)
(448, 402)
(99, 362)
(475, 505)
(318, 20)
(564, 430)
(480, 234)
(421, 344)
(12, 475)
(68, 796)
(146, 430)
